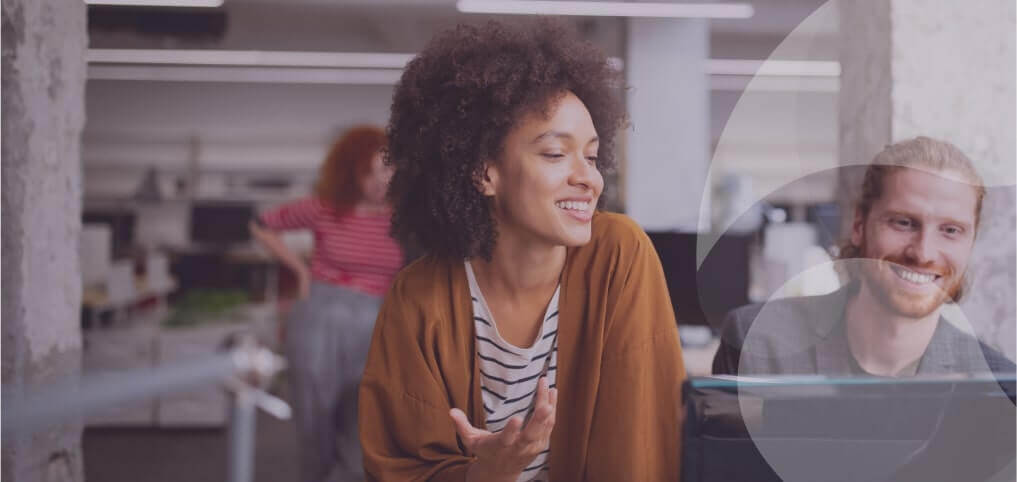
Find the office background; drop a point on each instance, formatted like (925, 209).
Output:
(138, 140)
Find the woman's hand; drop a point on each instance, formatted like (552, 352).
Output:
(504, 455)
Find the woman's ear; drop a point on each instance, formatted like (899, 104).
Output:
(487, 179)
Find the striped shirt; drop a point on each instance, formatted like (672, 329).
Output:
(351, 250)
(509, 374)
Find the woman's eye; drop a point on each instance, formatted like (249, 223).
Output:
(592, 159)
(553, 155)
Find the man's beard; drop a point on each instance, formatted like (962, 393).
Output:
(879, 278)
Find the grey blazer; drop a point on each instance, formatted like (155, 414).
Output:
(805, 335)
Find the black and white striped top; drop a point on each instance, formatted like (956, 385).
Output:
(509, 374)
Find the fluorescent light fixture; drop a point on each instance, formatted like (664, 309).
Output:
(159, 3)
(358, 68)
(373, 60)
(608, 9)
(353, 60)
(774, 68)
(743, 83)
(255, 75)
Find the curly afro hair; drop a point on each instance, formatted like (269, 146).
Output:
(455, 104)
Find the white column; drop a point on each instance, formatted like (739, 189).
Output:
(668, 101)
(43, 72)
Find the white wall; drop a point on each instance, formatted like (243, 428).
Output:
(946, 70)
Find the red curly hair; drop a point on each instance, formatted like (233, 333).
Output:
(347, 162)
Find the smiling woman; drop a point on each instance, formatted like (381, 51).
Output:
(498, 137)
(545, 182)
(454, 107)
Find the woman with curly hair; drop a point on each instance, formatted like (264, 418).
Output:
(353, 263)
(536, 339)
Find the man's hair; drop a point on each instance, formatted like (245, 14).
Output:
(921, 153)
(348, 161)
(455, 104)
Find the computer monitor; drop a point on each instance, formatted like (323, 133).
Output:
(848, 429)
(702, 295)
(121, 223)
(221, 223)
(826, 217)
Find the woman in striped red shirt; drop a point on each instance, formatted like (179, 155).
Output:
(329, 330)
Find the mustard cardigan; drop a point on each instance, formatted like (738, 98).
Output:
(619, 368)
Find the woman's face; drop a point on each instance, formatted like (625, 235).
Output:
(545, 185)
(375, 182)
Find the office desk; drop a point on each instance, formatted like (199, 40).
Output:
(955, 428)
(95, 300)
(699, 359)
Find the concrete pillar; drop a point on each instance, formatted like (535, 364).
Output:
(43, 72)
(668, 146)
(944, 69)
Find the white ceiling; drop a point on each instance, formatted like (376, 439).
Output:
(155, 124)
(772, 16)
(405, 25)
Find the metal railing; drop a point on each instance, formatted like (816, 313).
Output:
(241, 370)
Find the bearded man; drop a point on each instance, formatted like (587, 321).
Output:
(911, 239)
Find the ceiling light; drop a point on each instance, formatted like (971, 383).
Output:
(774, 68)
(367, 68)
(608, 9)
(741, 83)
(250, 58)
(158, 3)
(249, 75)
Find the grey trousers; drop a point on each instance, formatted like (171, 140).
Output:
(326, 345)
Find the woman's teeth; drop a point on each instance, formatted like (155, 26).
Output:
(914, 277)
(573, 205)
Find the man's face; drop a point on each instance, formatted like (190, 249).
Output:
(920, 234)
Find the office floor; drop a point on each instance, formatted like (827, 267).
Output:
(119, 454)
